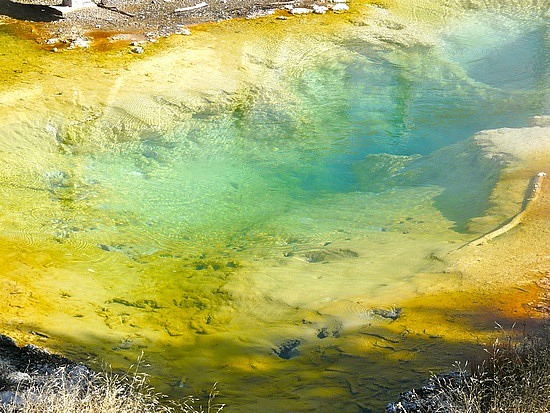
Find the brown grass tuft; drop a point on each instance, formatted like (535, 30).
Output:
(514, 377)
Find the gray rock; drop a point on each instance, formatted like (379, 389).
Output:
(429, 398)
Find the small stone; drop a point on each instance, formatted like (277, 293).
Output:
(339, 1)
(53, 40)
(301, 10)
(319, 9)
(340, 8)
(323, 333)
(315, 256)
(80, 42)
(137, 50)
(182, 30)
(282, 18)
(393, 313)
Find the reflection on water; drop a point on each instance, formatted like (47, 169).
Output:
(236, 199)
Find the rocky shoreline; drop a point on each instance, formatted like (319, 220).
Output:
(430, 397)
(145, 19)
(24, 367)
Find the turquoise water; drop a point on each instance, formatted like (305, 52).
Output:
(312, 194)
(359, 121)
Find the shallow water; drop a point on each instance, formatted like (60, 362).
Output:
(259, 182)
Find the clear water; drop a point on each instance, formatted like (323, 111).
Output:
(207, 231)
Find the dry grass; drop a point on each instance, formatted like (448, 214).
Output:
(71, 390)
(514, 378)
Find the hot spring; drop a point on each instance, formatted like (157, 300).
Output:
(259, 203)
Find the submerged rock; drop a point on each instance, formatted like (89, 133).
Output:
(288, 349)
(144, 304)
(541, 120)
(315, 256)
(346, 253)
(392, 313)
(325, 332)
(319, 9)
